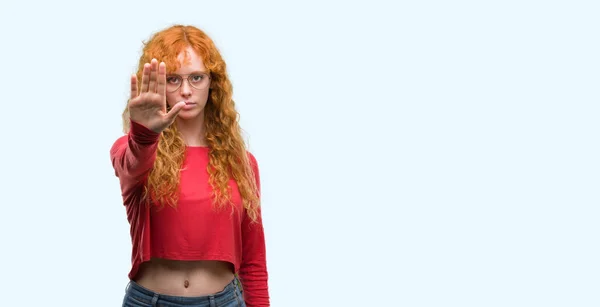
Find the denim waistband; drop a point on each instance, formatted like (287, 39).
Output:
(152, 297)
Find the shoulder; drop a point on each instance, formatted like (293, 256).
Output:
(122, 139)
(118, 143)
(251, 156)
(252, 160)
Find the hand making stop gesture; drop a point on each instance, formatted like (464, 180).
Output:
(149, 107)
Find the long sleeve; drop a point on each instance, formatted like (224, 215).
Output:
(133, 156)
(253, 269)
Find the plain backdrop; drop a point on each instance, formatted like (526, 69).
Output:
(412, 153)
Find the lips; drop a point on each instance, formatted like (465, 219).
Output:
(189, 105)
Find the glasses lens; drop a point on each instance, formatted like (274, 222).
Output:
(199, 81)
(173, 83)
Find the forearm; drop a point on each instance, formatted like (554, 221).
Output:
(253, 269)
(133, 156)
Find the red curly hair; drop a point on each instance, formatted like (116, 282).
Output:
(228, 155)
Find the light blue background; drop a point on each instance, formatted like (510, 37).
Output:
(412, 153)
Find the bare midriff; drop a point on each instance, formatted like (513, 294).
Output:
(184, 278)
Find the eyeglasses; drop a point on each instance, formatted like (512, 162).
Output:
(198, 81)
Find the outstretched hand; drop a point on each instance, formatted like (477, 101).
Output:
(149, 107)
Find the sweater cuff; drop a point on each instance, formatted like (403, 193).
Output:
(141, 134)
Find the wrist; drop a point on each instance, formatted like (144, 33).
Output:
(142, 134)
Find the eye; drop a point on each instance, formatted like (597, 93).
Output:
(197, 78)
(173, 80)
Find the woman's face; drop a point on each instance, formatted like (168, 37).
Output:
(189, 83)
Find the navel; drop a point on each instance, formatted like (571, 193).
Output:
(186, 283)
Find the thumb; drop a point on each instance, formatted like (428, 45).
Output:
(175, 110)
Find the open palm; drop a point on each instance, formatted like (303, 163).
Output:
(149, 106)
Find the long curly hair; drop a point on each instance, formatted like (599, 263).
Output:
(228, 156)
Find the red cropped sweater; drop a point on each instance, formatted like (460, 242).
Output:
(195, 229)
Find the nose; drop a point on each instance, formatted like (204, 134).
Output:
(186, 88)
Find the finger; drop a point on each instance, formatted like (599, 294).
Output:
(153, 76)
(174, 111)
(162, 79)
(134, 86)
(145, 77)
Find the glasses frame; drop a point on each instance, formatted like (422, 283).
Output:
(186, 77)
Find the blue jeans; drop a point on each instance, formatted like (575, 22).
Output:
(138, 296)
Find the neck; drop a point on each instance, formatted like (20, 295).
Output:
(192, 130)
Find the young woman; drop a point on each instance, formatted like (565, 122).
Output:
(190, 188)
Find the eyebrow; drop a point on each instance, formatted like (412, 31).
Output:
(192, 73)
